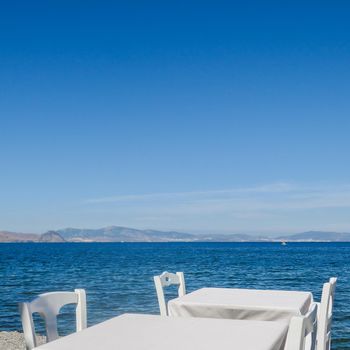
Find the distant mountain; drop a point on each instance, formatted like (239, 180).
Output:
(319, 236)
(14, 237)
(6, 236)
(122, 234)
(236, 237)
(51, 236)
(125, 234)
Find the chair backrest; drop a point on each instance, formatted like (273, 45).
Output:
(325, 315)
(48, 306)
(167, 279)
(302, 331)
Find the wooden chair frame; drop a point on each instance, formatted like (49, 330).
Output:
(302, 331)
(325, 315)
(48, 306)
(167, 279)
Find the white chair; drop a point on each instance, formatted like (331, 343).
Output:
(302, 331)
(167, 279)
(325, 315)
(48, 306)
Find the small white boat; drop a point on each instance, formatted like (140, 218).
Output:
(283, 242)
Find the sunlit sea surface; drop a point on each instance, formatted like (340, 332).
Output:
(118, 277)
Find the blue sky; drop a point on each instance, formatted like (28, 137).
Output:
(193, 116)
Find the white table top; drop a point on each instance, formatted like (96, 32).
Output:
(150, 332)
(252, 304)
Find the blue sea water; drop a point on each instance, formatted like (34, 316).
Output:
(118, 277)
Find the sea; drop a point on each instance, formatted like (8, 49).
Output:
(118, 277)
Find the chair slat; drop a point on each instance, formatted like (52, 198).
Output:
(326, 315)
(167, 279)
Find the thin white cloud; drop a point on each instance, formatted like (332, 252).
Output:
(270, 188)
(273, 207)
(279, 196)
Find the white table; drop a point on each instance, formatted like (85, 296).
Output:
(150, 332)
(242, 304)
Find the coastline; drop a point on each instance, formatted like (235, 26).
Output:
(131, 235)
(199, 241)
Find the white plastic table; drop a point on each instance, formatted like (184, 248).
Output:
(241, 304)
(150, 332)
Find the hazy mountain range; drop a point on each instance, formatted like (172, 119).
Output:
(125, 234)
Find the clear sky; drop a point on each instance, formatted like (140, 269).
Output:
(187, 115)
